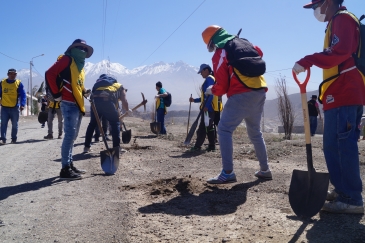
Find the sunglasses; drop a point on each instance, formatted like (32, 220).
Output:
(81, 48)
(314, 6)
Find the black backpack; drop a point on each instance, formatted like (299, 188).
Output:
(360, 60)
(243, 56)
(167, 100)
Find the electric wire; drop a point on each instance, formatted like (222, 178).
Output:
(173, 32)
(13, 58)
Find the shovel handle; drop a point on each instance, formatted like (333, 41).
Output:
(303, 85)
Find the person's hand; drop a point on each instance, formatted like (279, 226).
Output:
(87, 93)
(21, 108)
(129, 112)
(58, 99)
(205, 109)
(157, 96)
(209, 90)
(298, 68)
(191, 99)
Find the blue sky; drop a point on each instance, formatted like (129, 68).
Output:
(130, 31)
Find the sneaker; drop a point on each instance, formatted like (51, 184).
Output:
(96, 140)
(60, 136)
(210, 149)
(331, 195)
(266, 175)
(77, 171)
(68, 174)
(87, 149)
(122, 151)
(49, 136)
(194, 149)
(13, 141)
(42, 126)
(340, 207)
(2, 142)
(223, 178)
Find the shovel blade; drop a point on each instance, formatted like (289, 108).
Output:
(155, 127)
(126, 136)
(110, 160)
(308, 192)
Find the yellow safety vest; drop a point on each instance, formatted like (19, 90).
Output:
(9, 93)
(215, 102)
(54, 104)
(328, 73)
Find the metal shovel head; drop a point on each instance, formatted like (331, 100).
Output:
(110, 160)
(155, 127)
(126, 136)
(308, 192)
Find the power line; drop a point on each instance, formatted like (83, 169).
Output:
(173, 32)
(13, 58)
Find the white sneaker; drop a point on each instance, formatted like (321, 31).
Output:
(340, 207)
(86, 149)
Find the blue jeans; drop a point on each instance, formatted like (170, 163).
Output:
(107, 110)
(161, 118)
(71, 124)
(11, 114)
(341, 152)
(313, 124)
(249, 107)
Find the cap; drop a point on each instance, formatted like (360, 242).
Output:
(309, 5)
(12, 70)
(314, 96)
(80, 42)
(204, 66)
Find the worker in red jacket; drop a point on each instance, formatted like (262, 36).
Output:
(342, 94)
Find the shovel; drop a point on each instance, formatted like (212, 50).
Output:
(155, 126)
(109, 157)
(187, 128)
(308, 189)
(126, 134)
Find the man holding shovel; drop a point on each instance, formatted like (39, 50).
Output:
(342, 94)
(209, 104)
(106, 94)
(243, 104)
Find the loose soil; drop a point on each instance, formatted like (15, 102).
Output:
(159, 193)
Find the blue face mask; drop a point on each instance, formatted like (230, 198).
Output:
(78, 54)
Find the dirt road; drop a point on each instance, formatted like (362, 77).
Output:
(159, 193)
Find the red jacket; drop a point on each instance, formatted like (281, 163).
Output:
(226, 80)
(349, 88)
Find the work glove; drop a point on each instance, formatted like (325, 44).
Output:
(21, 108)
(298, 68)
(209, 90)
(129, 112)
(87, 93)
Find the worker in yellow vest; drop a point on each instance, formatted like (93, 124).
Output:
(53, 109)
(13, 99)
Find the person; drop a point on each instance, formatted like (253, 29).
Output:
(13, 99)
(343, 97)
(209, 104)
(313, 110)
(161, 109)
(106, 93)
(65, 80)
(53, 109)
(243, 103)
(217, 116)
(44, 105)
(362, 128)
(104, 125)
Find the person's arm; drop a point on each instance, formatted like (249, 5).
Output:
(208, 104)
(52, 73)
(23, 96)
(345, 39)
(221, 72)
(123, 98)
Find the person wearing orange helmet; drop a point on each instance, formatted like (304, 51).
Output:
(244, 103)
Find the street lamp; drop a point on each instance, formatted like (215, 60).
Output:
(31, 85)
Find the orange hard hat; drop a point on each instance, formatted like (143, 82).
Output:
(209, 32)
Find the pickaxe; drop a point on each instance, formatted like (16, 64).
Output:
(135, 108)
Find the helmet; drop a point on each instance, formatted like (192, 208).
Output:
(209, 32)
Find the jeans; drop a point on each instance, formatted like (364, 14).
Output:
(341, 152)
(11, 114)
(203, 131)
(313, 124)
(104, 125)
(161, 119)
(107, 110)
(51, 116)
(249, 107)
(72, 120)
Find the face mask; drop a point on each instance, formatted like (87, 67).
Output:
(317, 13)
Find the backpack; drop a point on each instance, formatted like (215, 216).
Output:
(360, 60)
(167, 99)
(244, 57)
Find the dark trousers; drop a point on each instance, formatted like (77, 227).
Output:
(161, 118)
(107, 110)
(204, 131)
(104, 125)
(313, 124)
